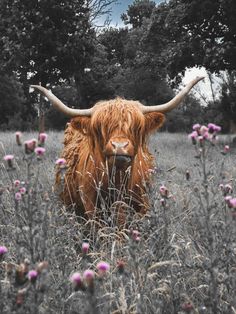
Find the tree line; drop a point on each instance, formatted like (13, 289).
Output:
(60, 45)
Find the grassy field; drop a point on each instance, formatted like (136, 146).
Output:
(180, 258)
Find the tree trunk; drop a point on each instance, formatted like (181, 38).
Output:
(232, 127)
(41, 115)
(81, 99)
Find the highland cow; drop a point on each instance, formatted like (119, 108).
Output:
(107, 146)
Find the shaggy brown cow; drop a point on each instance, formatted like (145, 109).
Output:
(105, 150)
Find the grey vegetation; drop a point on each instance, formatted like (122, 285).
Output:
(180, 258)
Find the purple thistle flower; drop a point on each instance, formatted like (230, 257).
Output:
(42, 137)
(32, 275)
(9, 160)
(203, 130)
(163, 191)
(226, 149)
(232, 203)
(76, 278)
(60, 162)
(196, 127)
(85, 247)
(18, 196)
(193, 136)
(77, 281)
(103, 267)
(30, 145)
(8, 157)
(22, 190)
(39, 151)
(3, 250)
(16, 183)
(88, 275)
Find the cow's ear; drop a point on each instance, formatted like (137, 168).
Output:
(153, 121)
(82, 124)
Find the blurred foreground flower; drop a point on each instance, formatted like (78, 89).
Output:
(3, 250)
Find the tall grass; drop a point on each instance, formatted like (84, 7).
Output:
(181, 257)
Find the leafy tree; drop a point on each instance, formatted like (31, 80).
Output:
(114, 41)
(199, 32)
(137, 12)
(228, 101)
(11, 101)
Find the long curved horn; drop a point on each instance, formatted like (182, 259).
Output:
(175, 101)
(60, 106)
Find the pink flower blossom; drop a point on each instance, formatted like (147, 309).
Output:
(193, 136)
(232, 203)
(77, 281)
(88, 275)
(76, 278)
(22, 190)
(16, 183)
(39, 151)
(203, 130)
(85, 247)
(18, 196)
(3, 250)
(30, 145)
(60, 161)
(103, 267)
(42, 138)
(227, 198)
(8, 157)
(196, 126)
(213, 128)
(163, 191)
(226, 149)
(32, 275)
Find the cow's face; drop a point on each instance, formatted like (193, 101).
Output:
(117, 129)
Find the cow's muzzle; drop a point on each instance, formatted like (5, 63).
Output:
(121, 162)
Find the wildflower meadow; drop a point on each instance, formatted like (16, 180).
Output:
(179, 258)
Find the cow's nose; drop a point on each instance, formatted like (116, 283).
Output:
(118, 145)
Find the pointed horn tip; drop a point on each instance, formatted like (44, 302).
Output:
(199, 78)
